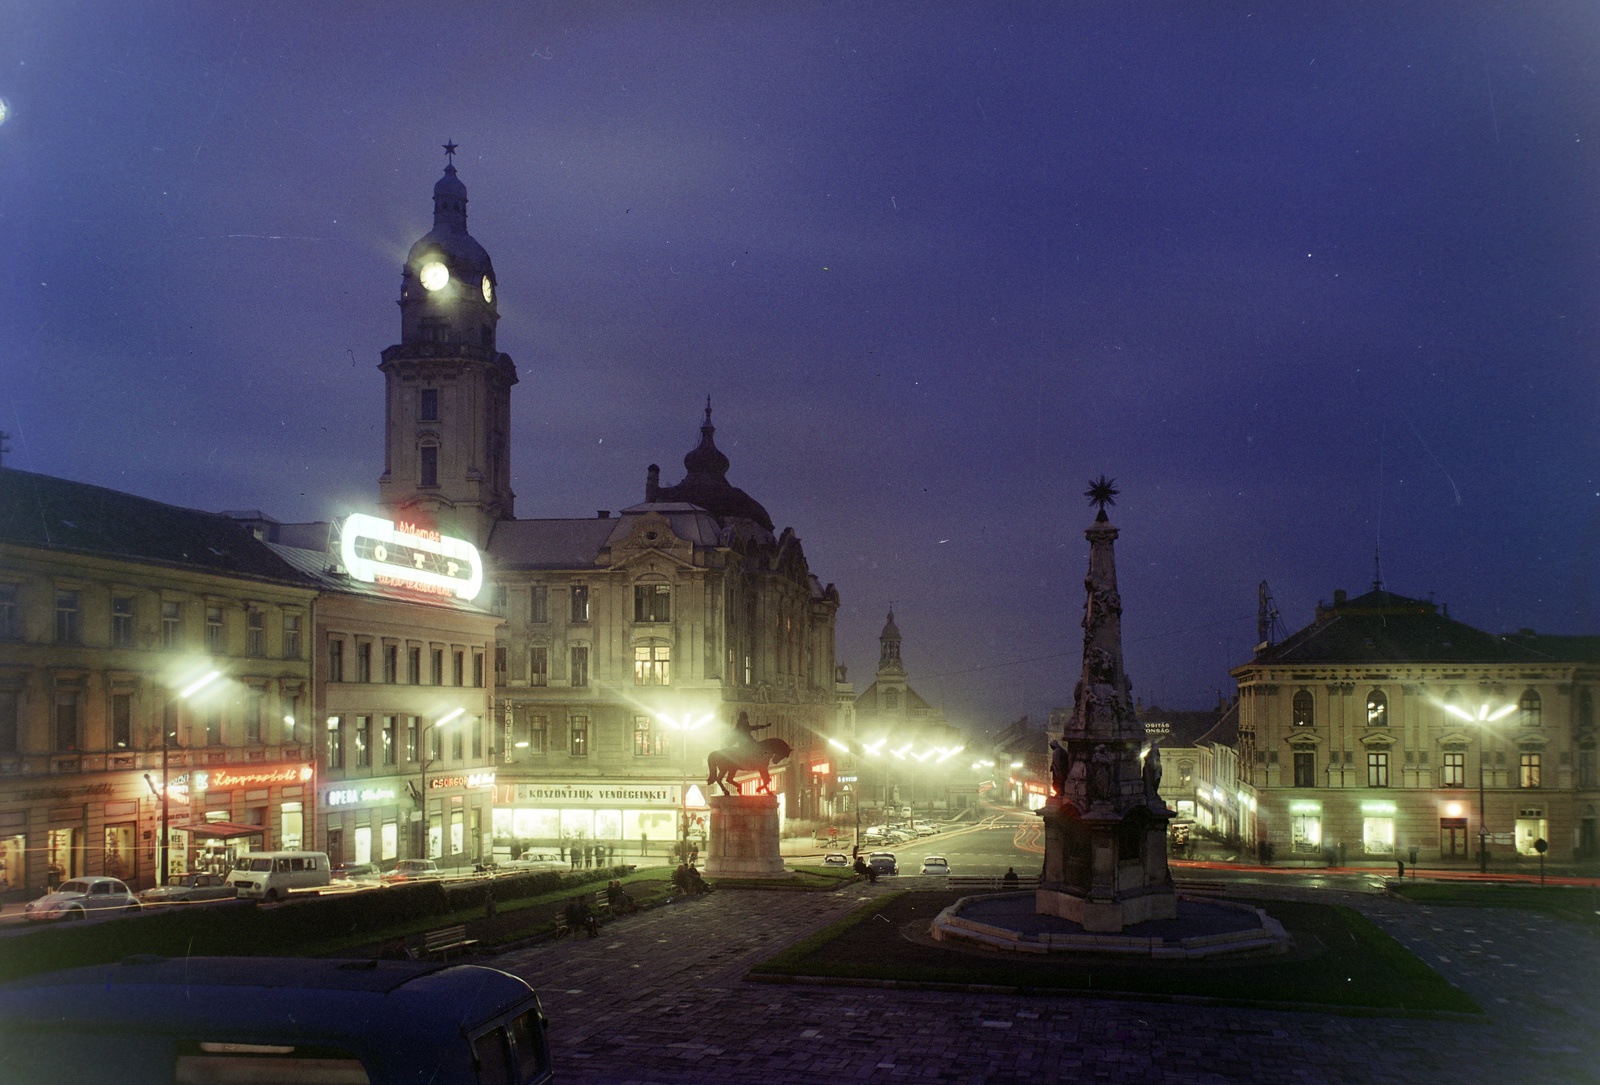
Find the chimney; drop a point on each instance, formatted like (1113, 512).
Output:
(652, 482)
(604, 514)
(1339, 597)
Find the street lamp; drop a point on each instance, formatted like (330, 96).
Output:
(443, 721)
(1483, 717)
(168, 733)
(684, 727)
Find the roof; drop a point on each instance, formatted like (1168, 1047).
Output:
(1225, 732)
(550, 544)
(74, 517)
(1183, 728)
(1381, 627)
(323, 568)
(868, 701)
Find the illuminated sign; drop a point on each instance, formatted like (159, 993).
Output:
(1377, 808)
(821, 768)
(350, 796)
(230, 779)
(403, 555)
(1305, 808)
(846, 779)
(475, 779)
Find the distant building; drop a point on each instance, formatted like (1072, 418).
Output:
(910, 746)
(1370, 732)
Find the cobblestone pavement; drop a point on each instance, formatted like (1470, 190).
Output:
(660, 998)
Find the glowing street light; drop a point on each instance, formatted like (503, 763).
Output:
(443, 721)
(163, 860)
(1483, 717)
(685, 726)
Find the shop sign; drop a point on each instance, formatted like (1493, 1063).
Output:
(1377, 808)
(821, 768)
(355, 796)
(407, 556)
(846, 779)
(65, 792)
(231, 779)
(475, 779)
(599, 794)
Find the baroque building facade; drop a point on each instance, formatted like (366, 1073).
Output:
(1387, 730)
(631, 643)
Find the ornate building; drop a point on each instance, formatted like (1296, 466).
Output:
(1385, 729)
(904, 739)
(630, 643)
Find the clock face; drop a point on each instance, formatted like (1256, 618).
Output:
(488, 290)
(434, 275)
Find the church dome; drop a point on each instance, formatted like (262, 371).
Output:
(706, 483)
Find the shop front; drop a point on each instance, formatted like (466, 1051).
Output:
(457, 817)
(637, 817)
(362, 819)
(228, 810)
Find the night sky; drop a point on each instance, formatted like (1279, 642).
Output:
(1310, 281)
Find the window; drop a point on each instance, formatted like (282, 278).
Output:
(1304, 710)
(389, 737)
(8, 720)
(1378, 768)
(9, 627)
(121, 721)
(1453, 770)
(429, 475)
(335, 660)
(580, 736)
(538, 666)
(1528, 770)
(291, 716)
(652, 664)
(122, 621)
(499, 665)
(650, 740)
(580, 666)
(477, 737)
(391, 663)
(580, 602)
(66, 721)
(364, 661)
(335, 743)
(1377, 709)
(436, 659)
(459, 671)
(67, 631)
(539, 605)
(428, 405)
(498, 599)
(1305, 768)
(213, 725)
(171, 625)
(255, 633)
(652, 603)
(530, 732)
(291, 636)
(252, 716)
(363, 741)
(214, 643)
(411, 738)
(458, 743)
(1586, 768)
(1530, 709)
(414, 666)
(477, 669)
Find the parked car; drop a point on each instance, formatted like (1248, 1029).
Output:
(411, 870)
(75, 899)
(935, 864)
(357, 872)
(925, 828)
(532, 862)
(194, 886)
(898, 836)
(883, 862)
(836, 858)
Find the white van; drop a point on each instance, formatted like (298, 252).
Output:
(270, 875)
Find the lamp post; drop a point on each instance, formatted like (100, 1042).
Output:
(685, 727)
(168, 733)
(1483, 717)
(422, 798)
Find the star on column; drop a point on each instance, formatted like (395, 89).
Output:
(450, 152)
(1102, 491)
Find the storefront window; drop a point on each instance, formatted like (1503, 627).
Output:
(457, 833)
(1531, 826)
(1377, 835)
(120, 855)
(608, 824)
(13, 868)
(435, 839)
(293, 827)
(64, 853)
(389, 840)
(177, 851)
(1305, 832)
(363, 844)
(577, 824)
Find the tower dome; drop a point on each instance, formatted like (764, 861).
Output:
(706, 483)
(448, 285)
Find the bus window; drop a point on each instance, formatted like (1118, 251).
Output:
(525, 1035)
(494, 1061)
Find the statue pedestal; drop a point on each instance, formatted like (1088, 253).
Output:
(1104, 871)
(744, 837)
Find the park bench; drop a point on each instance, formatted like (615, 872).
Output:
(446, 939)
(991, 881)
(1187, 885)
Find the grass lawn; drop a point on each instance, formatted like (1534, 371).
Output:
(1580, 903)
(1340, 960)
(800, 877)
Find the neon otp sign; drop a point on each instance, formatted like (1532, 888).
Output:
(383, 552)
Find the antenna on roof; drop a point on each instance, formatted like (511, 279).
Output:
(4, 448)
(1377, 571)
(1268, 625)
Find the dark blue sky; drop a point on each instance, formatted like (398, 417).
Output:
(1306, 279)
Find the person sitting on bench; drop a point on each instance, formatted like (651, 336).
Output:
(580, 916)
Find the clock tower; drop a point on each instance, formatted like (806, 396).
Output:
(447, 418)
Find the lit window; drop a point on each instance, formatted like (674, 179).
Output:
(363, 741)
(1377, 709)
(1304, 711)
(648, 739)
(1528, 770)
(580, 602)
(580, 736)
(1453, 772)
(652, 664)
(335, 743)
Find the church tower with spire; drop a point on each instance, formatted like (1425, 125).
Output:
(447, 417)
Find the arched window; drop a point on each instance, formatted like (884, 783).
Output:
(1530, 709)
(1377, 709)
(1304, 712)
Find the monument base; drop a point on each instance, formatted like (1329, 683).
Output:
(744, 837)
(1108, 916)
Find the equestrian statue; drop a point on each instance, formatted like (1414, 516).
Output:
(747, 754)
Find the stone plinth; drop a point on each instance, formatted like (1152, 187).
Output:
(744, 837)
(1105, 872)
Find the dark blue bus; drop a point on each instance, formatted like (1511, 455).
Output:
(271, 1020)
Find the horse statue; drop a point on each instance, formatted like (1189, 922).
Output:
(725, 764)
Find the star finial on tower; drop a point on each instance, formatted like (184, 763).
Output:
(1102, 491)
(450, 152)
